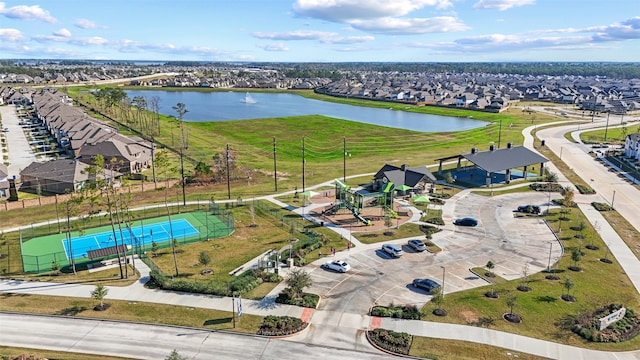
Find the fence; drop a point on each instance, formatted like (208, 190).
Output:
(209, 225)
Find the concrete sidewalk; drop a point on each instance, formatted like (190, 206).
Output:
(137, 292)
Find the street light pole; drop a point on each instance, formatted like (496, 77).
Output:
(549, 262)
(443, 272)
(612, 199)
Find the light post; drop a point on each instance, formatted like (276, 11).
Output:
(612, 199)
(549, 262)
(443, 272)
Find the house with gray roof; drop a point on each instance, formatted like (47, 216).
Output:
(4, 181)
(56, 176)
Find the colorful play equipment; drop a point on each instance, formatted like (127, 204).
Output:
(356, 200)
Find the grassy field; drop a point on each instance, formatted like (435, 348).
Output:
(130, 311)
(8, 352)
(596, 285)
(442, 349)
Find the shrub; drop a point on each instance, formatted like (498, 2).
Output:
(584, 189)
(392, 341)
(281, 325)
(400, 312)
(601, 206)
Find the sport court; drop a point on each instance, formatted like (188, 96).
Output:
(39, 253)
(134, 237)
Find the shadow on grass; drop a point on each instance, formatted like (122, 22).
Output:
(8, 295)
(546, 298)
(72, 310)
(211, 322)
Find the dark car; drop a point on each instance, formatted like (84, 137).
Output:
(426, 284)
(417, 245)
(466, 222)
(529, 209)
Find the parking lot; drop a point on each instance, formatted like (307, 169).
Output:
(511, 243)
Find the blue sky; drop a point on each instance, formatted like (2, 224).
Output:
(322, 30)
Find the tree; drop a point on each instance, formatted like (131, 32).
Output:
(490, 266)
(204, 258)
(576, 256)
(568, 194)
(175, 356)
(99, 293)
(568, 284)
(437, 297)
(511, 303)
(154, 248)
(298, 280)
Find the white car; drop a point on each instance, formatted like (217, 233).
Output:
(392, 249)
(337, 265)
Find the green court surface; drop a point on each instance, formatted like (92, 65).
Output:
(39, 253)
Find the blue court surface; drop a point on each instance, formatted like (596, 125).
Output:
(141, 236)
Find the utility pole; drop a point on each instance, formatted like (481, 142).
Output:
(606, 128)
(499, 133)
(303, 165)
(344, 159)
(228, 177)
(275, 172)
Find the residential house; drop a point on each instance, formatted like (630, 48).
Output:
(632, 147)
(56, 176)
(4, 181)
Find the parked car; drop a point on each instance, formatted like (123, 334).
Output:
(417, 245)
(392, 249)
(467, 221)
(529, 209)
(337, 265)
(6, 130)
(426, 284)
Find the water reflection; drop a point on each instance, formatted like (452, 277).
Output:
(222, 106)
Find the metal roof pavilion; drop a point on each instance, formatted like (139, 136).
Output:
(503, 159)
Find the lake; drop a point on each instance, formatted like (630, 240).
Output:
(223, 106)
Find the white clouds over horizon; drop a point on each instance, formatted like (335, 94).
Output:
(501, 4)
(24, 12)
(320, 30)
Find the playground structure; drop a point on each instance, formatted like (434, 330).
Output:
(356, 201)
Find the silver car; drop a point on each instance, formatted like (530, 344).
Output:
(417, 245)
(392, 249)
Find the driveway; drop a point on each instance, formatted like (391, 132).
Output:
(20, 153)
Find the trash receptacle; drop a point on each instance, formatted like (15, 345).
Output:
(276, 270)
(290, 262)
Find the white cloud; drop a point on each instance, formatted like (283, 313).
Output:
(24, 12)
(85, 24)
(321, 36)
(295, 35)
(94, 40)
(345, 10)
(381, 16)
(63, 33)
(502, 4)
(410, 26)
(274, 47)
(10, 35)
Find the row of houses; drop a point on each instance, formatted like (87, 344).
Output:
(82, 137)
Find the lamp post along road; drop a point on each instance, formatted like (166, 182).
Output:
(443, 273)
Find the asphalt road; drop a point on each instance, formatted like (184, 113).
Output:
(156, 342)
